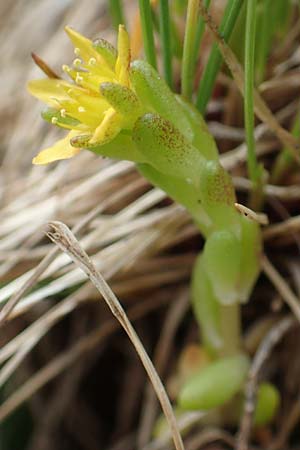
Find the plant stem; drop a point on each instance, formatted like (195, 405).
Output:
(254, 171)
(116, 13)
(188, 61)
(165, 33)
(147, 31)
(230, 328)
(212, 68)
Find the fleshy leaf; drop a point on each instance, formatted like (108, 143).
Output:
(123, 100)
(214, 385)
(206, 306)
(268, 399)
(155, 95)
(222, 260)
(54, 116)
(107, 51)
(165, 147)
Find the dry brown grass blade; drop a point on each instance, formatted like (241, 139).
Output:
(160, 358)
(68, 357)
(260, 107)
(282, 287)
(268, 343)
(51, 255)
(66, 241)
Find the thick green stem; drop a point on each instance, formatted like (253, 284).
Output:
(230, 328)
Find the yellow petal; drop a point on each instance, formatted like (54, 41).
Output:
(84, 49)
(50, 91)
(108, 129)
(123, 60)
(62, 149)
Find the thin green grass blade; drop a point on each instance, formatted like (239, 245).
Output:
(165, 34)
(199, 33)
(285, 160)
(254, 170)
(188, 61)
(264, 39)
(116, 13)
(147, 32)
(212, 68)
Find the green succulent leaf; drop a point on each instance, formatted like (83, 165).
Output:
(157, 97)
(222, 260)
(214, 385)
(268, 400)
(123, 100)
(206, 307)
(166, 149)
(106, 50)
(54, 116)
(121, 147)
(202, 138)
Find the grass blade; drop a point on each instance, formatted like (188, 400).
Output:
(165, 34)
(116, 13)
(212, 68)
(147, 31)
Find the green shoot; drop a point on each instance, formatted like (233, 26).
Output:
(285, 160)
(253, 168)
(212, 68)
(188, 58)
(264, 39)
(116, 13)
(199, 33)
(147, 31)
(165, 33)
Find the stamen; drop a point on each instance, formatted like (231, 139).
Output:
(54, 120)
(77, 62)
(66, 68)
(63, 112)
(92, 61)
(78, 79)
(77, 51)
(81, 109)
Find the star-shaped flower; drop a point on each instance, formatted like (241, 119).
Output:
(97, 104)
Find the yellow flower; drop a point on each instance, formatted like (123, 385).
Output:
(81, 105)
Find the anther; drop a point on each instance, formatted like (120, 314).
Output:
(77, 51)
(54, 120)
(63, 112)
(81, 109)
(92, 61)
(77, 62)
(79, 79)
(65, 68)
